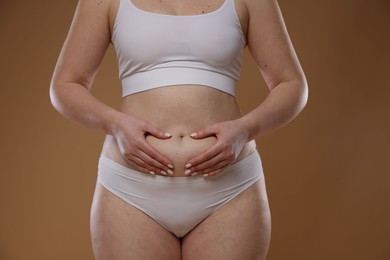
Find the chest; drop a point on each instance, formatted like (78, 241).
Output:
(147, 37)
(182, 8)
(178, 7)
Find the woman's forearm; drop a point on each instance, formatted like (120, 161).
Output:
(76, 103)
(282, 104)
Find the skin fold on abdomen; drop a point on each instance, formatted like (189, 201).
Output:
(180, 149)
(180, 111)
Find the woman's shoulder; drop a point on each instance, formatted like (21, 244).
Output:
(96, 8)
(254, 6)
(101, 12)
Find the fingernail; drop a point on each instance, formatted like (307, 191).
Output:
(188, 165)
(195, 173)
(170, 166)
(163, 173)
(170, 172)
(205, 175)
(193, 134)
(168, 134)
(187, 172)
(152, 172)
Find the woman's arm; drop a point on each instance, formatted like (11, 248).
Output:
(77, 65)
(272, 50)
(78, 62)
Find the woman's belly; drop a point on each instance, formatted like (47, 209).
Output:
(179, 149)
(180, 112)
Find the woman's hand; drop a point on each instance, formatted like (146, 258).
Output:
(231, 139)
(130, 134)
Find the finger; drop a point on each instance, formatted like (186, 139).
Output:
(216, 172)
(156, 132)
(208, 163)
(149, 168)
(157, 165)
(211, 171)
(205, 156)
(155, 157)
(138, 165)
(203, 133)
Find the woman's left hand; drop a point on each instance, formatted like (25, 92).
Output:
(231, 139)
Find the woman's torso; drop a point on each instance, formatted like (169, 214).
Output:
(179, 109)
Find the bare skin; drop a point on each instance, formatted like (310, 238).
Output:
(239, 230)
(136, 133)
(180, 118)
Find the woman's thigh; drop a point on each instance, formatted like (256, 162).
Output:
(241, 229)
(120, 231)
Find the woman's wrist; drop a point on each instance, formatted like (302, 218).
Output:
(113, 122)
(246, 127)
(249, 126)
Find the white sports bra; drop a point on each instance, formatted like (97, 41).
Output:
(156, 50)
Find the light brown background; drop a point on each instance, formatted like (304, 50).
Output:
(327, 172)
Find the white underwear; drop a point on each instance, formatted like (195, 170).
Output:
(179, 203)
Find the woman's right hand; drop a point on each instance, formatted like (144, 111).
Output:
(130, 134)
